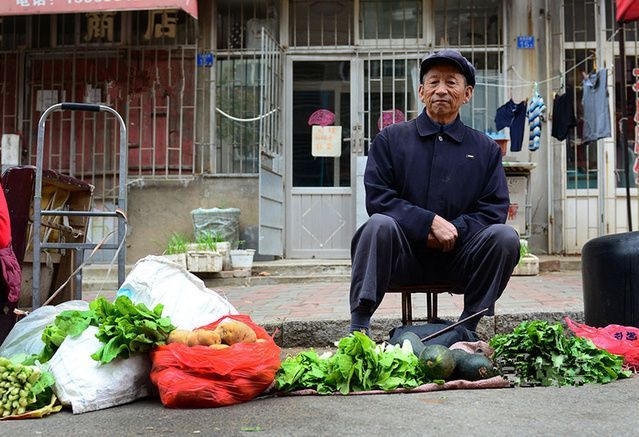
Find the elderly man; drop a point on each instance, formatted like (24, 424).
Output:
(437, 198)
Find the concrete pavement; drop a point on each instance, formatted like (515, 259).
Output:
(590, 410)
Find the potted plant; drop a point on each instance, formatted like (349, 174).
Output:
(203, 256)
(176, 249)
(242, 259)
(528, 263)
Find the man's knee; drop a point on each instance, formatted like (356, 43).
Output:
(379, 225)
(505, 238)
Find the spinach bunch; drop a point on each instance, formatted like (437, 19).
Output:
(542, 354)
(358, 365)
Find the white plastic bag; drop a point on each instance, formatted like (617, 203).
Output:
(26, 335)
(186, 300)
(86, 385)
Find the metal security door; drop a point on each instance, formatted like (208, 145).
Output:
(320, 209)
(271, 207)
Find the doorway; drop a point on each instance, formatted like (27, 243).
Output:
(320, 211)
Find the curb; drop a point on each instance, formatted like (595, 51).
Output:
(321, 333)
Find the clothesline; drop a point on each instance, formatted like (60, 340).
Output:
(524, 83)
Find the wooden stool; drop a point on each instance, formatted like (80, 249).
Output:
(431, 290)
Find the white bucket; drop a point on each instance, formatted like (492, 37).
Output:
(242, 258)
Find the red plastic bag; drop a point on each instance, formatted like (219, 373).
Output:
(200, 377)
(616, 339)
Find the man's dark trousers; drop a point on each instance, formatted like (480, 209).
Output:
(382, 256)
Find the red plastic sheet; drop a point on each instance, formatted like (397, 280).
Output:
(627, 10)
(200, 377)
(616, 339)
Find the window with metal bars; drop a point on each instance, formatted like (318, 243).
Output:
(13, 32)
(382, 20)
(237, 69)
(467, 23)
(239, 23)
(237, 94)
(321, 23)
(580, 43)
(152, 85)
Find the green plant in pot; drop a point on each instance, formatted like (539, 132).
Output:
(178, 243)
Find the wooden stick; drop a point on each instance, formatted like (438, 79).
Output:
(453, 326)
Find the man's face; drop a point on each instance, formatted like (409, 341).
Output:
(443, 92)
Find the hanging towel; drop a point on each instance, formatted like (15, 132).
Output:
(563, 115)
(512, 115)
(596, 110)
(535, 114)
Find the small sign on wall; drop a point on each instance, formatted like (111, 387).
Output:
(525, 42)
(46, 98)
(326, 141)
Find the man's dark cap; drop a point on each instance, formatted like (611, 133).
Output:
(448, 56)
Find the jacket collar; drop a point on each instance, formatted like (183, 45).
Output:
(427, 127)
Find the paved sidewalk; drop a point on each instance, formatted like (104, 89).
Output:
(315, 314)
(547, 292)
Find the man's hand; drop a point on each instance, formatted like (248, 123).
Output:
(444, 233)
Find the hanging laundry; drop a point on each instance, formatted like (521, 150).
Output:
(535, 113)
(563, 115)
(512, 115)
(596, 109)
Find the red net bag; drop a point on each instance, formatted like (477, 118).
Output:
(200, 377)
(616, 339)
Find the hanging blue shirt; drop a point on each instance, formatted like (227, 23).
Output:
(596, 110)
(512, 115)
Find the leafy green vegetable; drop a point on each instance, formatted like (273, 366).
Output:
(542, 354)
(42, 389)
(358, 365)
(127, 329)
(70, 322)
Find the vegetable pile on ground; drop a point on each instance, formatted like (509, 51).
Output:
(541, 354)
(361, 365)
(23, 388)
(124, 328)
(358, 365)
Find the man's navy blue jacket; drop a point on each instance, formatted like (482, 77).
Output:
(417, 169)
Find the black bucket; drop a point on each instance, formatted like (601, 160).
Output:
(610, 272)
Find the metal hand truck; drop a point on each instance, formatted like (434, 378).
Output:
(38, 213)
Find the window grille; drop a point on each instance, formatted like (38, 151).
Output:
(580, 43)
(239, 23)
(467, 23)
(383, 20)
(152, 85)
(321, 23)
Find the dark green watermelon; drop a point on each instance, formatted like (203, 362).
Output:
(414, 340)
(473, 367)
(438, 361)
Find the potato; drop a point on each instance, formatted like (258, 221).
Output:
(178, 336)
(233, 331)
(219, 346)
(192, 339)
(206, 337)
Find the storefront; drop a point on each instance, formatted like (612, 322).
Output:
(139, 61)
(220, 107)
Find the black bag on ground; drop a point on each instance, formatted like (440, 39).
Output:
(459, 333)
